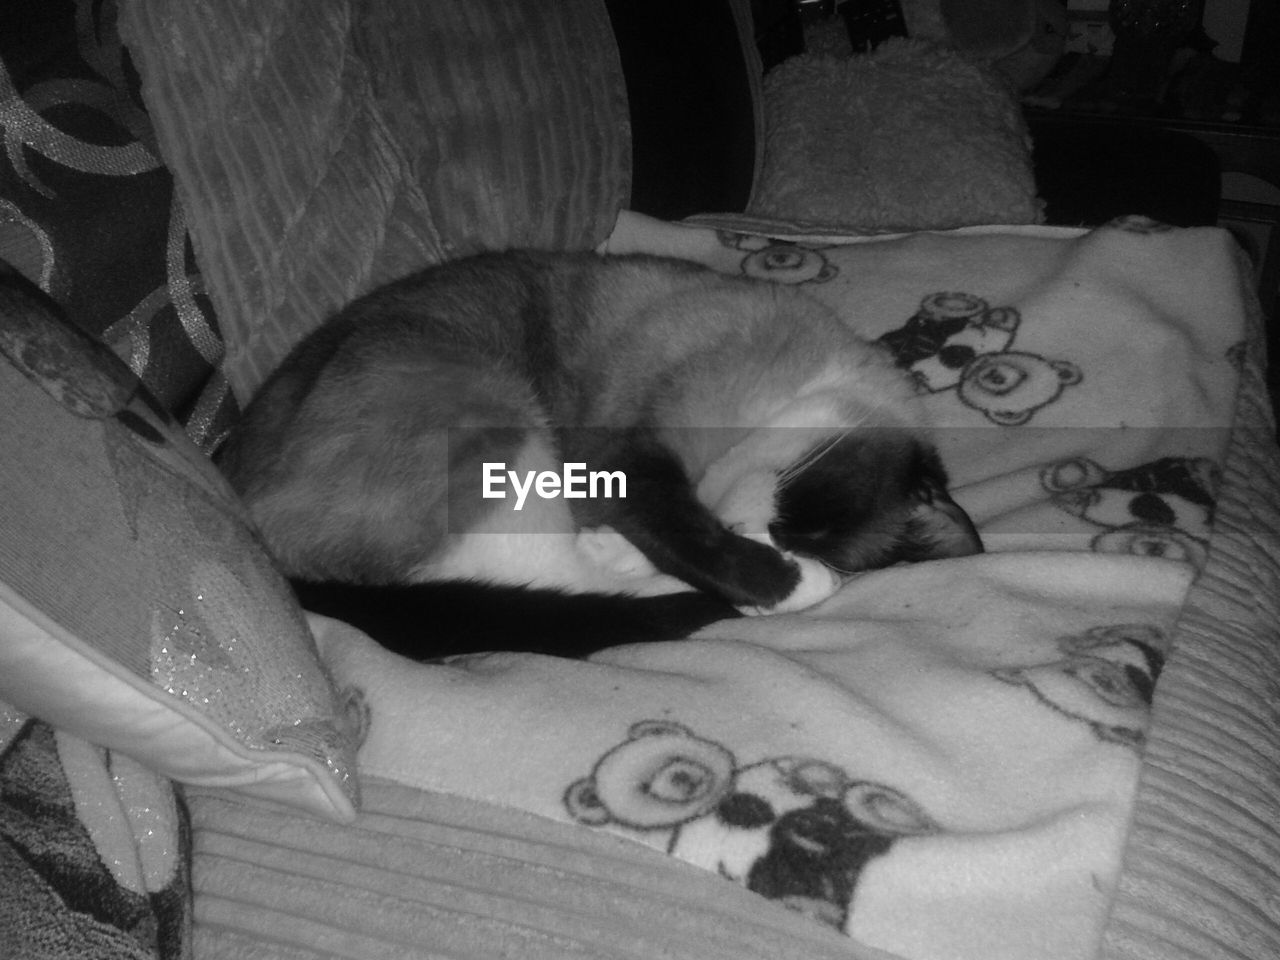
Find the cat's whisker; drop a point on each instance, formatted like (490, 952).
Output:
(815, 454)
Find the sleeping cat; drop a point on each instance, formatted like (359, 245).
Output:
(412, 463)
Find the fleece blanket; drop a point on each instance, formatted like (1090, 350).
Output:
(94, 854)
(940, 760)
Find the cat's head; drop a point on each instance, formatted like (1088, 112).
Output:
(859, 500)
(869, 500)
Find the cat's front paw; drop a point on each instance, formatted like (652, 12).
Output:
(748, 572)
(817, 582)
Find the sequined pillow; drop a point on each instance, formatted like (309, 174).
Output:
(137, 610)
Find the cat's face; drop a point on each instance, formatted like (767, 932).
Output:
(871, 500)
(861, 501)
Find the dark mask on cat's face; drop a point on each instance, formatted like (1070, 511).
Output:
(870, 499)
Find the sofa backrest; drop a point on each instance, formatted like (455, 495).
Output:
(324, 146)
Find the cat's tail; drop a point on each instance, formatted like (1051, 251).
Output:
(433, 620)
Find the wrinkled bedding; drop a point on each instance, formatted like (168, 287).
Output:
(1066, 747)
(940, 760)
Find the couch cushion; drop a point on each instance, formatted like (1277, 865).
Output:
(325, 146)
(136, 608)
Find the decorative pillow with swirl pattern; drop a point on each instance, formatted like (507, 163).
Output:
(89, 213)
(137, 609)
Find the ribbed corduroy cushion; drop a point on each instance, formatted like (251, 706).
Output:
(423, 874)
(1201, 878)
(324, 146)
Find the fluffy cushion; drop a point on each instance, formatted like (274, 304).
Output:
(324, 146)
(910, 136)
(136, 608)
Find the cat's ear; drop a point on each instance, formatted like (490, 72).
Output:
(940, 527)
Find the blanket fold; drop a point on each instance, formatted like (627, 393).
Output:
(938, 761)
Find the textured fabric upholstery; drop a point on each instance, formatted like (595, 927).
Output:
(320, 152)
